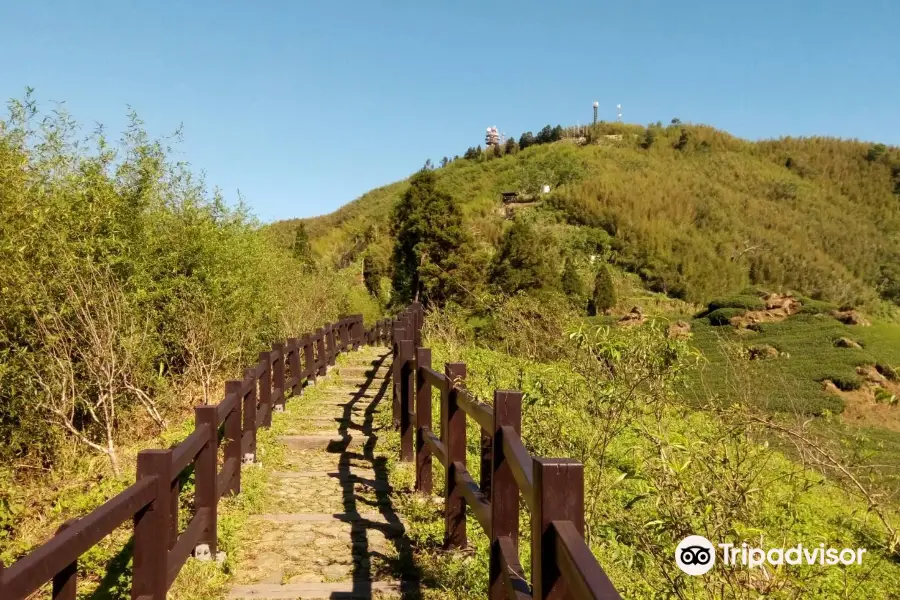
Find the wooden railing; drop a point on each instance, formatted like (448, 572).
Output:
(562, 565)
(152, 503)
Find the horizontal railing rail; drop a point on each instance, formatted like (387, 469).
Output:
(152, 504)
(562, 565)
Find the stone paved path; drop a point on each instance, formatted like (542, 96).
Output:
(330, 530)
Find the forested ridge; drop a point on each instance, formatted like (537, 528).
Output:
(694, 211)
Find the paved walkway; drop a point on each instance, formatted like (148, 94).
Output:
(331, 530)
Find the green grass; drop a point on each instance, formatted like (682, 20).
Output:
(792, 383)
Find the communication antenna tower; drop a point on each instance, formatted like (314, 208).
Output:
(596, 106)
(619, 112)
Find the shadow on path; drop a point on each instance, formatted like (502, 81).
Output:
(402, 567)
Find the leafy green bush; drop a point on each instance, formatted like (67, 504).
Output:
(723, 316)
(124, 278)
(890, 373)
(815, 307)
(846, 383)
(744, 302)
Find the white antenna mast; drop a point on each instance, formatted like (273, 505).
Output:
(619, 112)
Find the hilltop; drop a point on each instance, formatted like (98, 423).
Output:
(695, 212)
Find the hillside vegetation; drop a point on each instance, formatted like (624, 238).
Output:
(687, 314)
(695, 212)
(128, 293)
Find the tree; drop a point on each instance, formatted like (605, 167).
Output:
(527, 139)
(497, 151)
(374, 269)
(430, 260)
(572, 285)
(676, 121)
(545, 135)
(428, 166)
(683, 140)
(875, 152)
(511, 146)
(604, 296)
(556, 134)
(301, 248)
(444, 162)
(649, 138)
(520, 262)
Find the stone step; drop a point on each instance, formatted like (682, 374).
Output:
(324, 440)
(342, 517)
(367, 478)
(351, 589)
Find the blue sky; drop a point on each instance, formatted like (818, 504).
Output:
(303, 105)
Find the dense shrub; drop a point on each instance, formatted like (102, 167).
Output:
(722, 316)
(888, 372)
(816, 307)
(124, 279)
(846, 383)
(745, 302)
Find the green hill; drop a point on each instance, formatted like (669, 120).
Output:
(695, 212)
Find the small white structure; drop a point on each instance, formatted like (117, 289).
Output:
(545, 189)
(492, 137)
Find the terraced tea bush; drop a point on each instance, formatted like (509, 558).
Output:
(743, 301)
(723, 316)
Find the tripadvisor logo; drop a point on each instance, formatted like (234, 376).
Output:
(696, 555)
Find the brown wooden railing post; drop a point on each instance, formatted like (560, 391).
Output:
(453, 436)
(407, 395)
(205, 475)
(233, 437)
(332, 348)
(151, 529)
(309, 361)
(294, 362)
(423, 419)
(559, 496)
(278, 372)
(265, 387)
(504, 490)
(396, 366)
(487, 461)
(321, 356)
(248, 446)
(356, 332)
(174, 493)
(65, 583)
(341, 333)
(418, 317)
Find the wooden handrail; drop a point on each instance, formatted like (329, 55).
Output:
(578, 565)
(186, 543)
(482, 413)
(553, 489)
(437, 448)
(520, 463)
(186, 452)
(470, 490)
(433, 378)
(512, 573)
(159, 550)
(29, 573)
(226, 406)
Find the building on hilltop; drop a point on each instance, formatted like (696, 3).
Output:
(492, 137)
